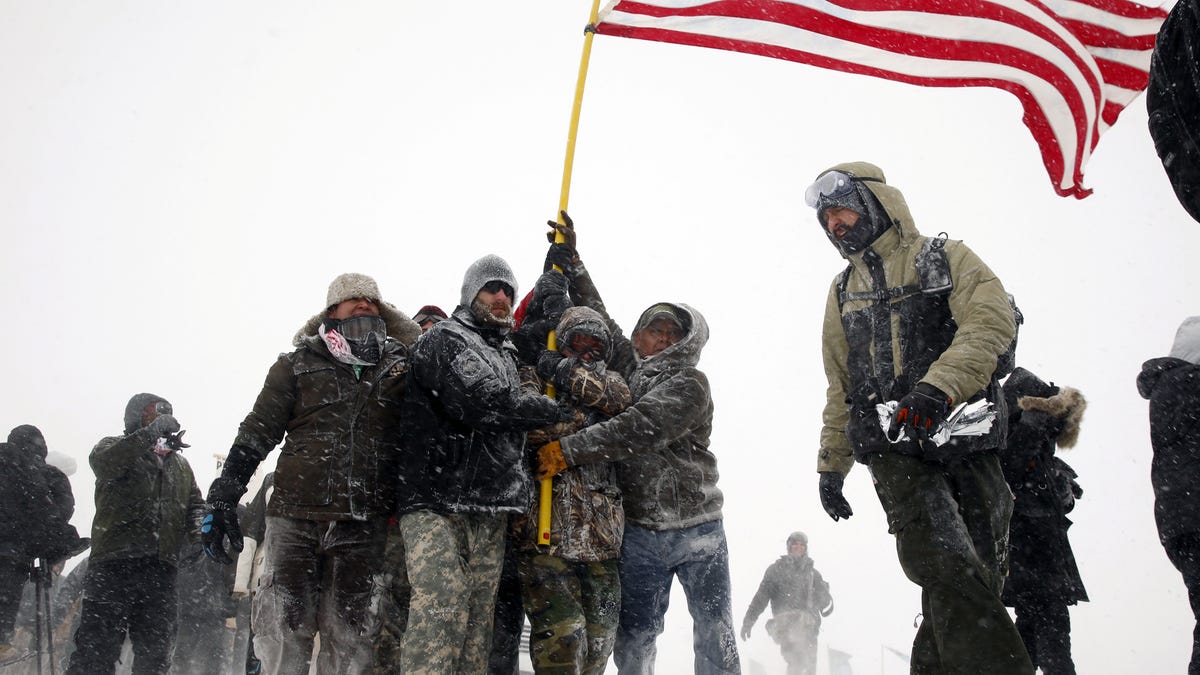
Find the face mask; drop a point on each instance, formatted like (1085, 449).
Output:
(357, 341)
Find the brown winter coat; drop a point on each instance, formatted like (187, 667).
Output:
(339, 459)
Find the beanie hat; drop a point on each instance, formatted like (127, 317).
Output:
(1187, 341)
(797, 536)
(354, 285)
(135, 407)
(28, 437)
(483, 271)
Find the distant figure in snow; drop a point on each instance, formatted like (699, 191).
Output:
(147, 504)
(25, 512)
(334, 402)
(668, 479)
(1043, 579)
(799, 598)
(919, 323)
(1172, 385)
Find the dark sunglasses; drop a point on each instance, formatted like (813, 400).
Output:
(495, 286)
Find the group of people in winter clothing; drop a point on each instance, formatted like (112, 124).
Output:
(421, 456)
(408, 460)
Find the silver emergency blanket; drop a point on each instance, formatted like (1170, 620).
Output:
(967, 419)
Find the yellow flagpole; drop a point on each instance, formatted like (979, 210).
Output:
(546, 488)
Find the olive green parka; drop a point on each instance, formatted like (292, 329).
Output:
(146, 506)
(982, 318)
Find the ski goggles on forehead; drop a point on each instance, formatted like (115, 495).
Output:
(831, 185)
(361, 327)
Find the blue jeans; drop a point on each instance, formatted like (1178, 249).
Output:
(699, 556)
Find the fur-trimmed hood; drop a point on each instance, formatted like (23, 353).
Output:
(1067, 405)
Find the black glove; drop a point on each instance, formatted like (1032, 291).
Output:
(831, 495)
(555, 368)
(551, 295)
(221, 521)
(562, 254)
(163, 425)
(175, 441)
(920, 412)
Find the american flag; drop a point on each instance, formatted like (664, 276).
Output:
(1074, 64)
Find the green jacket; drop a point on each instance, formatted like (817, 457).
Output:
(145, 507)
(982, 319)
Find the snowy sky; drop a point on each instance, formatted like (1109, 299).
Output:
(179, 182)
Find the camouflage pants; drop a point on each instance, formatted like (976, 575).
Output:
(454, 564)
(394, 593)
(573, 611)
(319, 576)
(951, 527)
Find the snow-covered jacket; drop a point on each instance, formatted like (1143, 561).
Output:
(340, 455)
(1042, 417)
(668, 474)
(1172, 386)
(790, 584)
(948, 337)
(587, 519)
(25, 506)
(464, 421)
(146, 506)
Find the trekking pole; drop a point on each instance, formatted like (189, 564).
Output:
(46, 588)
(37, 611)
(545, 488)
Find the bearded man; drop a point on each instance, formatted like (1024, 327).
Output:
(464, 421)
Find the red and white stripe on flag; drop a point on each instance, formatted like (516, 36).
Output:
(1074, 64)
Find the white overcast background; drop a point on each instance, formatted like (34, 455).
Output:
(179, 182)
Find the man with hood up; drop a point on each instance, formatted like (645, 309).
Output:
(465, 418)
(147, 503)
(569, 583)
(63, 540)
(799, 597)
(25, 514)
(1172, 385)
(921, 322)
(334, 402)
(668, 479)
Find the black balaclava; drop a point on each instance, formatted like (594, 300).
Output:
(872, 219)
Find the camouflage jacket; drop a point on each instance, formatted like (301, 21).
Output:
(587, 519)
